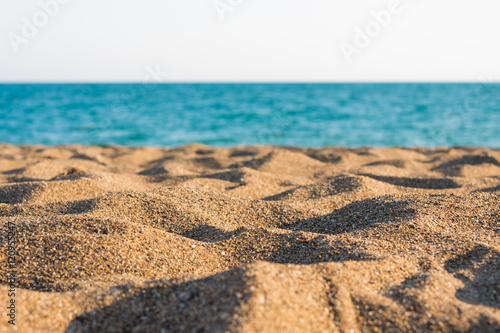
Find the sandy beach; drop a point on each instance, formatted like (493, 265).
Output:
(250, 239)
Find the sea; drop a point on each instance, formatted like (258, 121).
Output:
(305, 115)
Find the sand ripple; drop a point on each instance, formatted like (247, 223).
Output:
(252, 239)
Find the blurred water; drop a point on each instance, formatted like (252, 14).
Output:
(233, 114)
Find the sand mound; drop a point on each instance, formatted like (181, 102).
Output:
(456, 166)
(283, 161)
(251, 239)
(337, 185)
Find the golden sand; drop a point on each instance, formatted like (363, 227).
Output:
(251, 239)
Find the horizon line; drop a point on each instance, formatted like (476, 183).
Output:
(239, 82)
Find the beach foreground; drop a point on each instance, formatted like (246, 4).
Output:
(251, 239)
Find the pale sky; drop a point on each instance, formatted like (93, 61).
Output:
(249, 40)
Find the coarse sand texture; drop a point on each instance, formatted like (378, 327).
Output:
(251, 239)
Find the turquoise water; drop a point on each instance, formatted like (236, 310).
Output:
(233, 114)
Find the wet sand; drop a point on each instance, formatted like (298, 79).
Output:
(251, 239)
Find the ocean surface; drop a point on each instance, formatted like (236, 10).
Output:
(312, 115)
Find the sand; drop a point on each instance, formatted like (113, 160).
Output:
(251, 239)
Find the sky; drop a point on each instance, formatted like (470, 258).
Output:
(249, 40)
